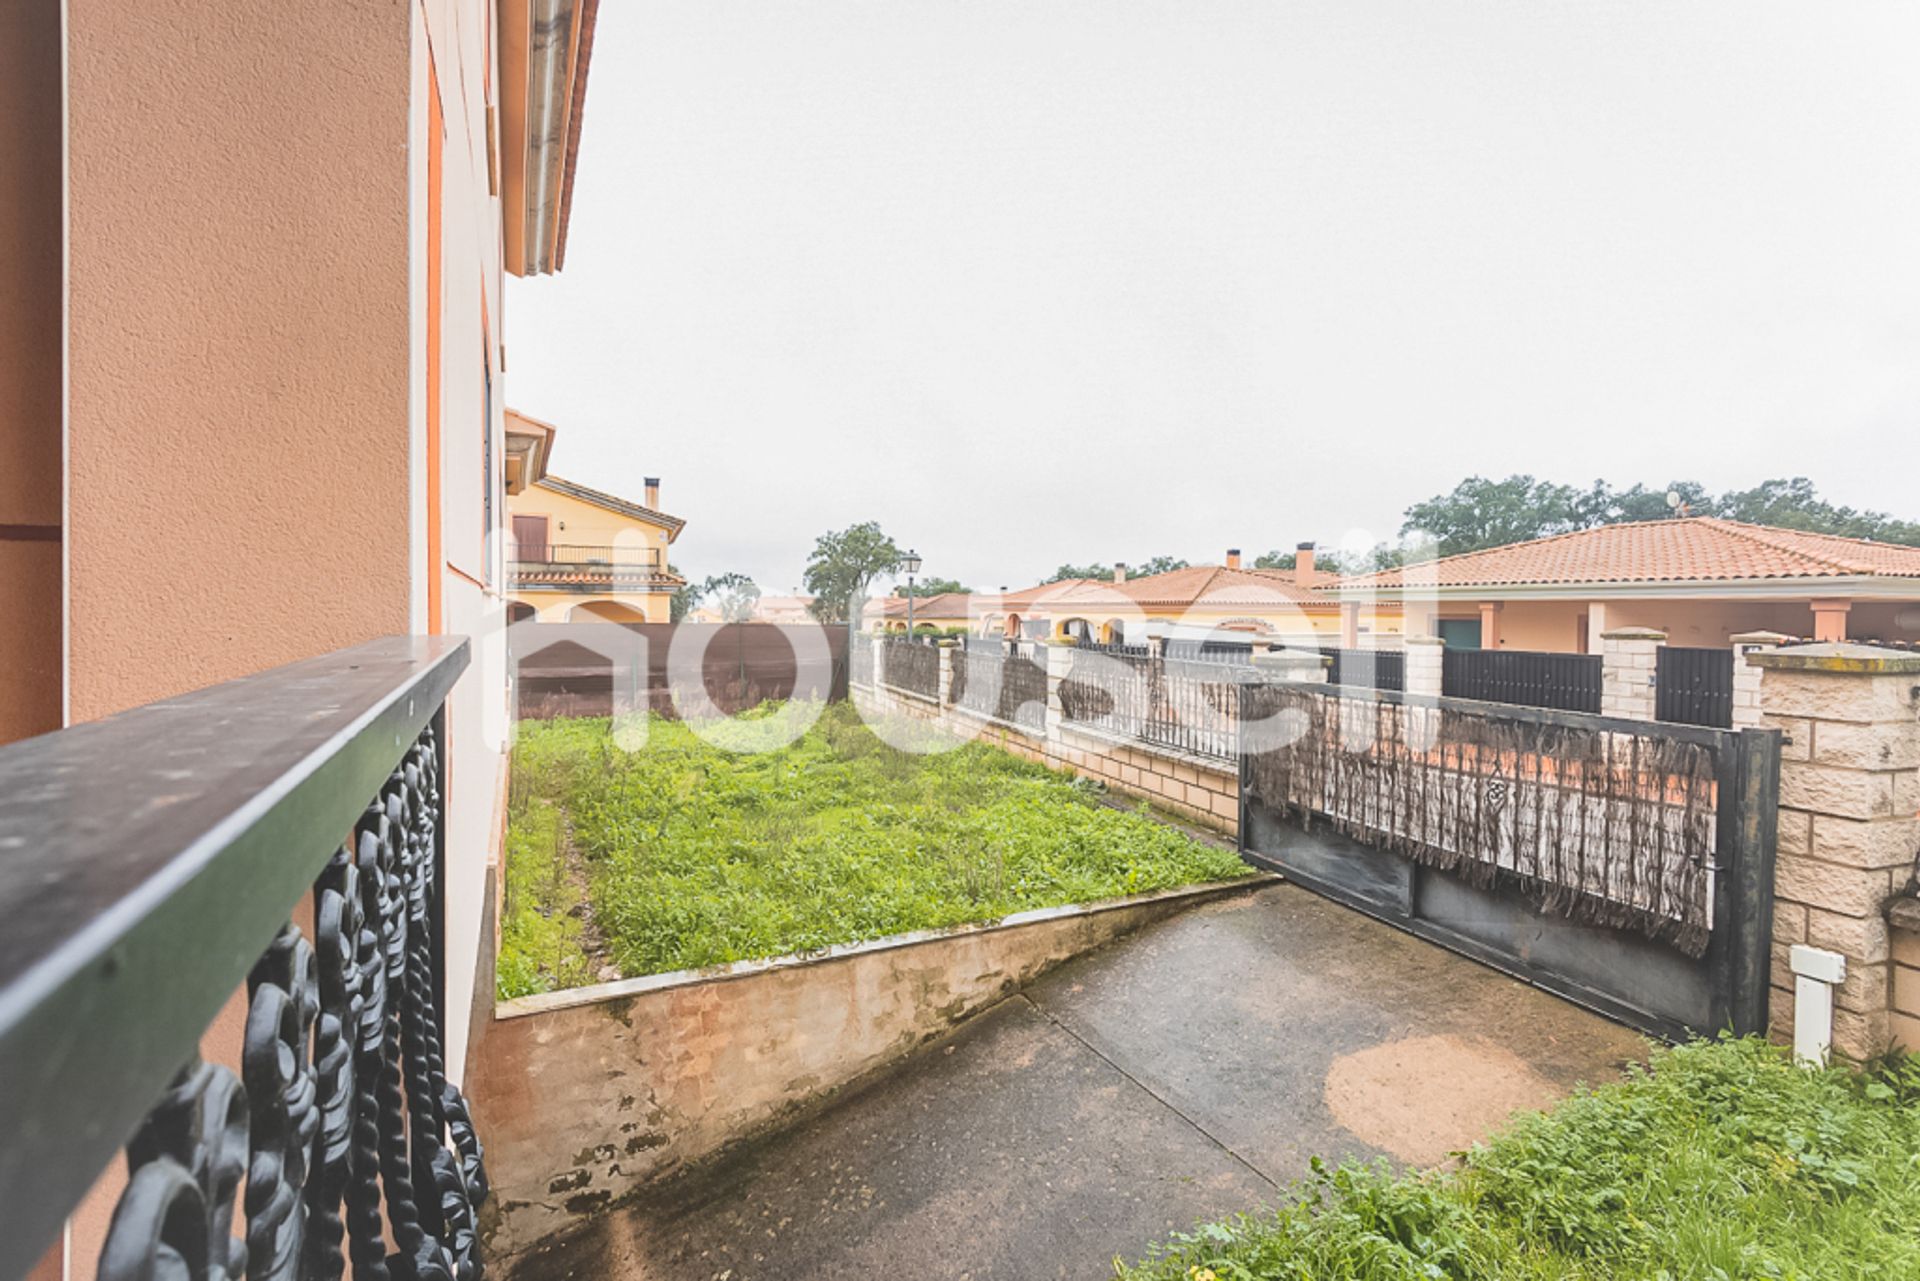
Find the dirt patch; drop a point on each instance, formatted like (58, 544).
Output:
(1428, 1096)
(573, 866)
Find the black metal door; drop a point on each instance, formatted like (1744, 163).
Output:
(1694, 686)
(1568, 682)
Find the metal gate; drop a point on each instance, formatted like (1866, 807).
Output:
(1694, 686)
(1373, 668)
(1625, 865)
(1569, 682)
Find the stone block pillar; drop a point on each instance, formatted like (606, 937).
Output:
(946, 670)
(1059, 659)
(1746, 677)
(1426, 656)
(1849, 792)
(1628, 661)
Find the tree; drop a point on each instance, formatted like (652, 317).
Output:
(1795, 505)
(1158, 565)
(1491, 513)
(1481, 513)
(734, 595)
(932, 587)
(843, 563)
(685, 599)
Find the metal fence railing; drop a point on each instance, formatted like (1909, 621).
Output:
(1207, 651)
(911, 666)
(1118, 648)
(1187, 705)
(1000, 685)
(1565, 682)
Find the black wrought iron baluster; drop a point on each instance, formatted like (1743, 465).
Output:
(337, 925)
(276, 1063)
(345, 1095)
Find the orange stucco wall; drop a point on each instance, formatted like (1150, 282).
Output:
(246, 344)
(30, 626)
(1555, 625)
(238, 339)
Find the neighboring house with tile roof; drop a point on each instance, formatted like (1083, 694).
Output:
(579, 554)
(940, 612)
(1002, 613)
(1206, 599)
(1191, 602)
(1700, 579)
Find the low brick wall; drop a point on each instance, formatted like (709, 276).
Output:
(1196, 788)
(591, 1093)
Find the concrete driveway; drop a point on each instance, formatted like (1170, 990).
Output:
(1185, 1073)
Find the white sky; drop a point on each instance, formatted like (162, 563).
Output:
(1031, 281)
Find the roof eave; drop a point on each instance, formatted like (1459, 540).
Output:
(1857, 586)
(546, 47)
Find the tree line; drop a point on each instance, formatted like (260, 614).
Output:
(1475, 514)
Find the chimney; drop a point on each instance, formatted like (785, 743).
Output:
(1120, 571)
(653, 492)
(1233, 558)
(1303, 564)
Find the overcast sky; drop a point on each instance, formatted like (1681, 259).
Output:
(1030, 281)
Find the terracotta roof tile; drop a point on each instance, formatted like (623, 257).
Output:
(1693, 549)
(1212, 585)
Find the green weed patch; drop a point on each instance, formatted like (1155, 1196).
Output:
(682, 855)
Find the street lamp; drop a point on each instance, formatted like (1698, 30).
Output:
(911, 563)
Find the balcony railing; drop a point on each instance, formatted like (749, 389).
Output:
(154, 863)
(585, 554)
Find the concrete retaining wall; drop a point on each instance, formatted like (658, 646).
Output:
(590, 1093)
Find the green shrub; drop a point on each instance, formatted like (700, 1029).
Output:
(1718, 1161)
(694, 856)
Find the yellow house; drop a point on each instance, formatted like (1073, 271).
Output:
(581, 555)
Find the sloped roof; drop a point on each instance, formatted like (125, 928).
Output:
(943, 605)
(1209, 585)
(610, 502)
(1690, 549)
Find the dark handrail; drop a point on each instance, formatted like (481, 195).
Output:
(586, 554)
(146, 863)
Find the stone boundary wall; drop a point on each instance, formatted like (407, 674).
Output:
(589, 1094)
(1849, 795)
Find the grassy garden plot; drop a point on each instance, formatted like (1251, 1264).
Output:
(682, 855)
(1720, 1162)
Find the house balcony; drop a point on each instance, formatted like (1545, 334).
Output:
(585, 566)
(266, 860)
